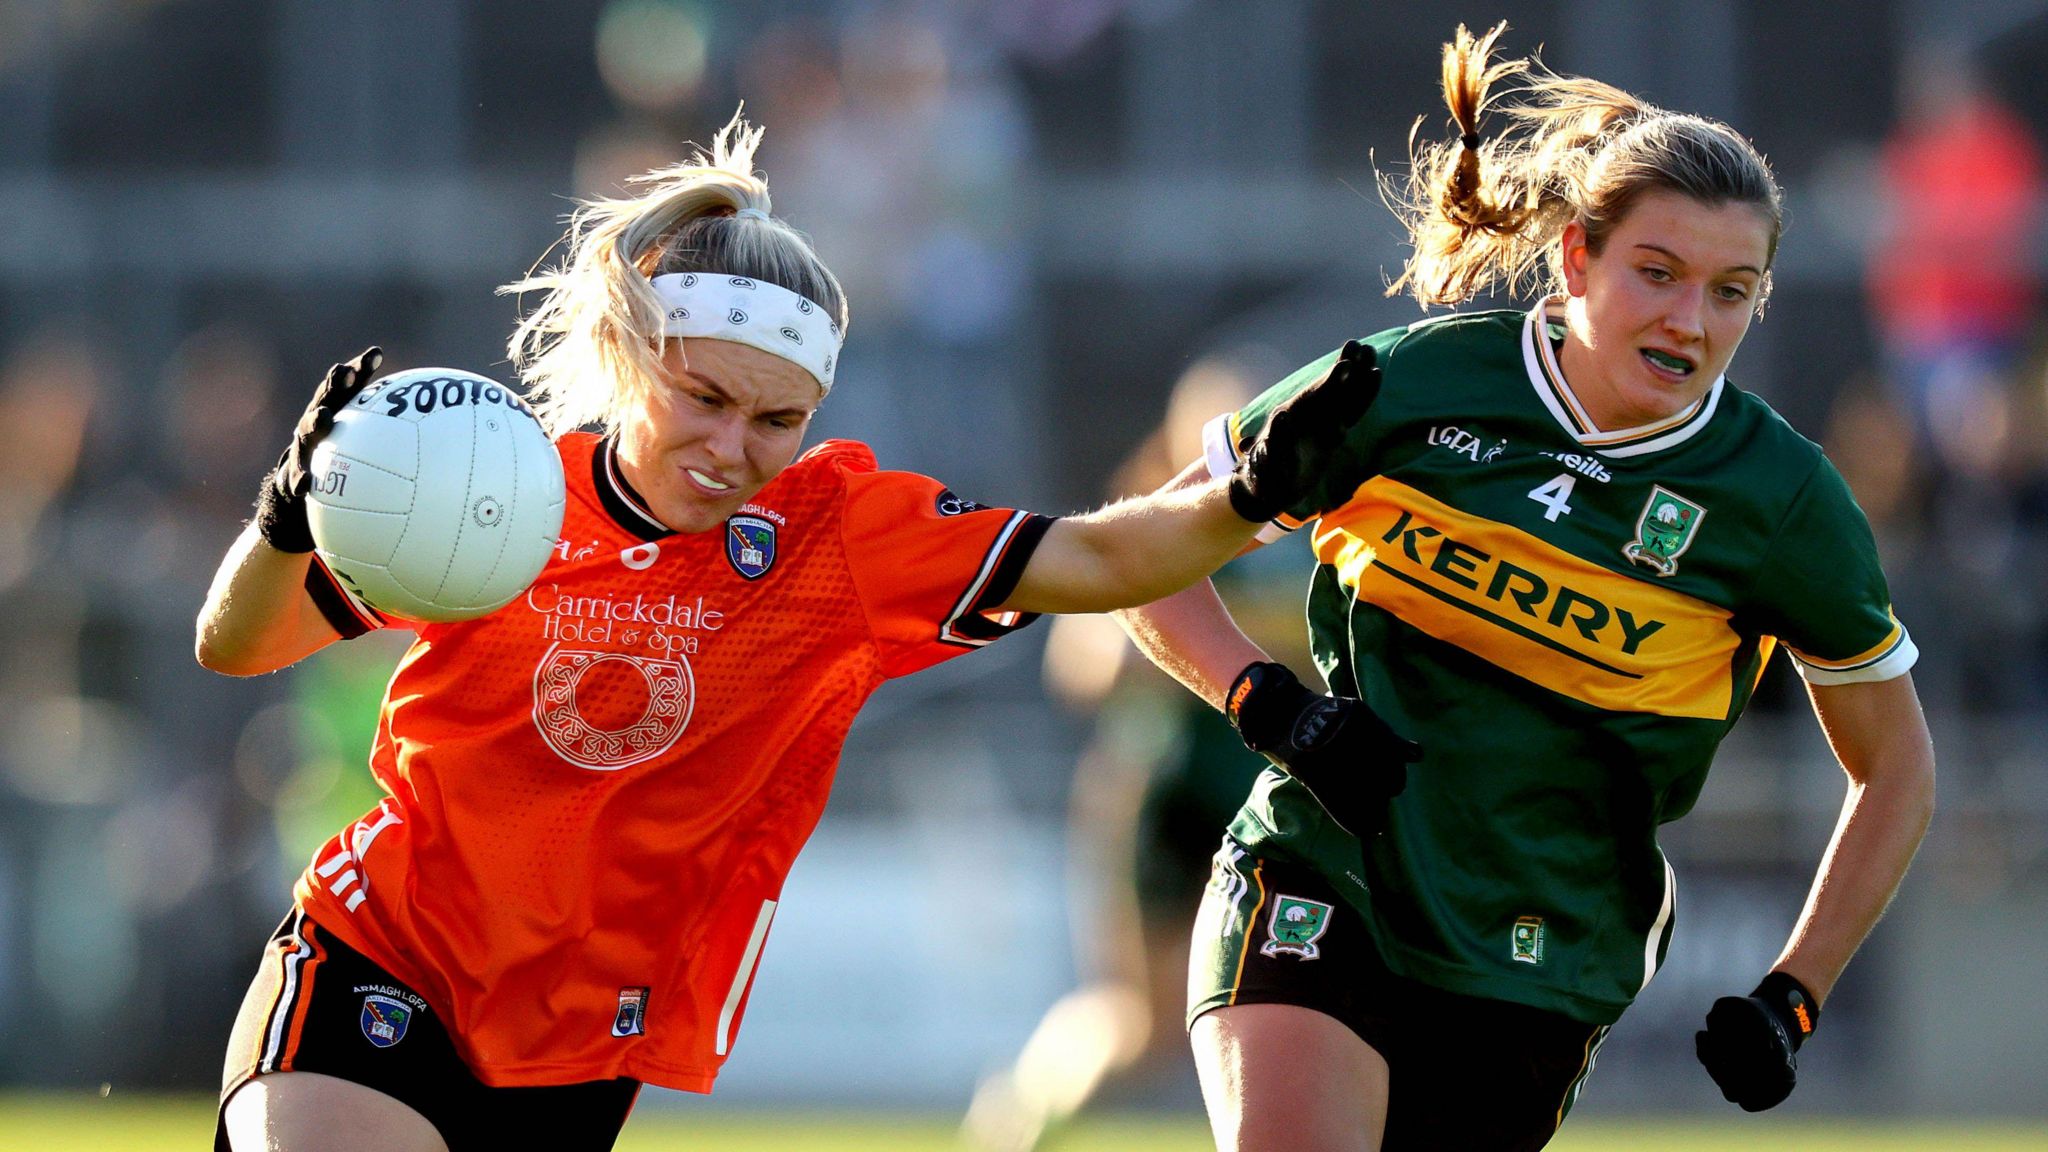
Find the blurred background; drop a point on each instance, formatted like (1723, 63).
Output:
(1059, 223)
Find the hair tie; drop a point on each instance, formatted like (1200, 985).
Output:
(750, 213)
(1470, 140)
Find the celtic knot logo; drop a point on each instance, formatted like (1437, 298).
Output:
(671, 693)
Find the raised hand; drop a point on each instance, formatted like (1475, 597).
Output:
(281, 505)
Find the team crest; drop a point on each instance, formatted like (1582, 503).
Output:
(1527, 940)
(1664, 531)
(384, 1020)
(750, 545)
(631, 1019)
(1295, 926)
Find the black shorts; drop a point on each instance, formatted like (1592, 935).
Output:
(318, 1005)
(1467, 1073)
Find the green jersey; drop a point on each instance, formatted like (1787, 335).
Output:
(1568, 621)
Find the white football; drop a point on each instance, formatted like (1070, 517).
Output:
(437, 496)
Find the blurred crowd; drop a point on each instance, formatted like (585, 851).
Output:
(152, 814)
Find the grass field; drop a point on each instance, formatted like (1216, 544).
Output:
(137, 1123)
(164, 1124)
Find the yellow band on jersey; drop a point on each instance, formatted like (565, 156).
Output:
(1529, 607)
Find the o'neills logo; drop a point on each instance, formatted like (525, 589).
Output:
(629, 621)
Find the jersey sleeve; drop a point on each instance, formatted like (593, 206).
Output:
(1823, 593)
(347, 612)
(928, 566)
(1225, 438)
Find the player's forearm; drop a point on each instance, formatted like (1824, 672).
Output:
(1883, 820)
(1191, 637)
(1132, 552)
(257, 617)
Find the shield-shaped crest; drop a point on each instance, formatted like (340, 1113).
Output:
(1295, 926)
(384, 1020)
(1666, 528)
(750, 545)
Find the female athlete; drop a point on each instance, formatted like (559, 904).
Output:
(594, 793)
(1555, 554)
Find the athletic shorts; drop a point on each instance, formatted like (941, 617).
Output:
(1467, 1073)
(318, 1005)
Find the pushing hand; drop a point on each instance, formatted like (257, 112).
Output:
(1301, 437)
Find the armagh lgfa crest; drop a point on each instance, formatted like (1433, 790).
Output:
(1295, 926)
(384, 1020)
(750, 545)
(1664, 530)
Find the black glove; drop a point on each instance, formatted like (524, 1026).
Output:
(1335, 745)
(1302, 436)
(281, 506)
(1748, 1043)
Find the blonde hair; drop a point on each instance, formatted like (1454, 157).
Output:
(595, 341)
(1482, 213)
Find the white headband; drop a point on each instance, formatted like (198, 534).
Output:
(752, 312)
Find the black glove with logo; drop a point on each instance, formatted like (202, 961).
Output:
(1749, 1041)
(1335, 745)
(1302, 436)
(281, 506)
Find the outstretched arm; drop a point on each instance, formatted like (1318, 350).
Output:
(1133, 551)
(1138, 550)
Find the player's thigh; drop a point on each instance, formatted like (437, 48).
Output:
(1287, 1078)
(1282, 994)
(309, 1112)
(326, 1032)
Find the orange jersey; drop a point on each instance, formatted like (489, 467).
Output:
(597, 790)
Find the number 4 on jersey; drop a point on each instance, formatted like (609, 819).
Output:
(1553, 493)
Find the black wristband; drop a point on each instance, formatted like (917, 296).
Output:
(1791, 1003)
(282, 522)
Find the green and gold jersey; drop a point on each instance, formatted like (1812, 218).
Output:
(1568, 621)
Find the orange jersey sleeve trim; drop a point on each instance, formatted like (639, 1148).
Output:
(971, 623)
(345, 611)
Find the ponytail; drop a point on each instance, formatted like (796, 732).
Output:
(1484, 213)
